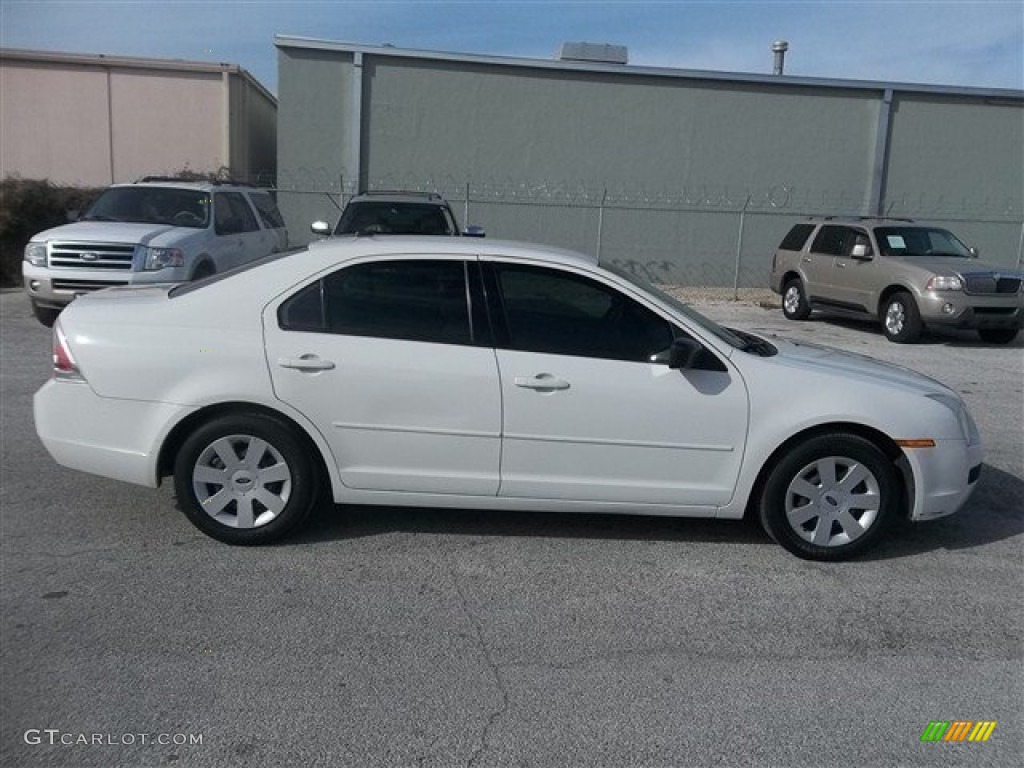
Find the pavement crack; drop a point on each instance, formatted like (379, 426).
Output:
(499, 682)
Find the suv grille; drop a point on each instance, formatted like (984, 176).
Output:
(83, 286)
(91, 255)
(991, 283)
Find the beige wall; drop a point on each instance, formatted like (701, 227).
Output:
(164, 122)
(54, 124)
(94, 120)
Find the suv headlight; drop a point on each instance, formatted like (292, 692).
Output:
(963, 416)
(163, 258)
(35, 254)
(940, 283)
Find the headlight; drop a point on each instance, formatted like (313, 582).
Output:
(35, 254)
(162, 258)
(963, 416)
(940, 283)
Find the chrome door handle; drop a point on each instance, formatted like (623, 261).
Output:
(542, 382)
(306, 363)
(840, 265)
(806, 260)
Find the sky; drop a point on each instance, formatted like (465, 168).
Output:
(978, 43)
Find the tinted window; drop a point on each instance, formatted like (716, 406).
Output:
(267, 209)
(566, 314)
(231, 214)
(835, 240)
(410, 300)
(797, 237)
(305, 310)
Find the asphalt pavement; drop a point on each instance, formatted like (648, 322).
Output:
(435, 638)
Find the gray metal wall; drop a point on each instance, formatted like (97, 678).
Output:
(687, 179)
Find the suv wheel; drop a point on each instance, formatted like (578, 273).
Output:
(900, 319)
(794, 300)
(45, 315)
(830, 497)
(997, 335)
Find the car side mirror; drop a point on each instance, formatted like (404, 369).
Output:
(682, 355)
(474, 231)
(321, 228)
(72, 214)
(975, 253)
(861, 251)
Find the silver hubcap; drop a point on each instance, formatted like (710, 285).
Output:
(242, 481)
(791, 301)
(895, 317)
(832, 501)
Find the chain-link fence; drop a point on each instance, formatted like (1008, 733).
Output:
(699, 235)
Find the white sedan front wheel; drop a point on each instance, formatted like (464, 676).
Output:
(831, 497)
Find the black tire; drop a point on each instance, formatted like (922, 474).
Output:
(901, 320)
(998, 335)
(831, 497)
(242, 499)
(203, 270)
(794, 300)
(45, 315)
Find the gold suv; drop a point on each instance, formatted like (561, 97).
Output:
(907, 274)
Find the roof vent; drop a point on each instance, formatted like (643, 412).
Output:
(596, 53)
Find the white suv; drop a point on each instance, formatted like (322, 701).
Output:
(157, 230)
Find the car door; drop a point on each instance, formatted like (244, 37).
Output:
(392, 363)
(238, 234)
(818, 262)
(856, 278)
(587, 416)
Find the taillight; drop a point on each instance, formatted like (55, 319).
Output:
(64, 365)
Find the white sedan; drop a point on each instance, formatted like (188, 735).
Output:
(502, 376)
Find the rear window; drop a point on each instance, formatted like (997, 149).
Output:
(797, 237)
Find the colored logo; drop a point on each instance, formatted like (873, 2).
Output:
(958, 730)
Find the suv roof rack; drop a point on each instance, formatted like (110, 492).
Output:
(193, 180)
(861, 218)
(409, 193)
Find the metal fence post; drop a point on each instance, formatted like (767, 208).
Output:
(739, 251)
(1020, 246)
(600, 223)
(465, 210)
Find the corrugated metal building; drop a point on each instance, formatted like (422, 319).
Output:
(684, 176)
(95, 119)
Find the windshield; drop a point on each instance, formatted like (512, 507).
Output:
(919, 241)
(730, 337)
(152, 205)
(394, 219)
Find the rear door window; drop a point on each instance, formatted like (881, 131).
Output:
(267, 209)
(797, 237)
(413, 300)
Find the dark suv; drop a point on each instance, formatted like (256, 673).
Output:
(397, 213)
(907, 274)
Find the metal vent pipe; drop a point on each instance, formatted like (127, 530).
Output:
(779, 48)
